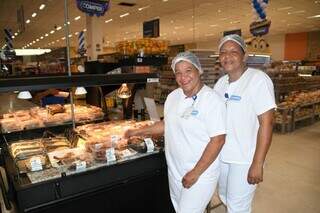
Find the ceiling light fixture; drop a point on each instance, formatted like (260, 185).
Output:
(52, 31)
(213, 25)
(28, 21)
(34, 15)
(84, 30)
(70, 36)
(37, 39)
(165, 0)
(41, 37)
(63, 38)
(13, 37)
(109, 20)
(315, 16)
(58, 28)
(33, 42)
(76, 33)
(15, 34)
(284, 8)
(42, 6)
(46, 35)
(124, 15)
(142, 8)
(77, 18)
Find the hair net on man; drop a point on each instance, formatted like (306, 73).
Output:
(189, 57)
(235, 38)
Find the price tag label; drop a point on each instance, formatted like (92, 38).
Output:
(81, 165)
(152, 80)
(110, 154)
(126, 153)
(139, 60)
(36, 164)
(114, 138)
(149, 144)
(98, 146)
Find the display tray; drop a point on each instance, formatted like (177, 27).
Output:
(61, 188)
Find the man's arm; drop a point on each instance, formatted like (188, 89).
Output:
(255, 174)
(208, 156)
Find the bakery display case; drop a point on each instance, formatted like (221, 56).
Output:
(71, 157)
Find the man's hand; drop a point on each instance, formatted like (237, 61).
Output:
(189, 179)
(255, 174)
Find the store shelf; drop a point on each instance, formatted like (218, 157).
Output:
(40, 83)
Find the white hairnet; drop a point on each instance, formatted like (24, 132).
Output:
(189, 57)
(235, 38)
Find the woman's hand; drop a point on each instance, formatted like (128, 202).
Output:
(190, 178)
(255, 174)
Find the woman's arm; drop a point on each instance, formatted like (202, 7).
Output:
(155, 129)
(255, 174)
(208, 156)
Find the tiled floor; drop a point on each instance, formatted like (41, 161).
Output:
(292, 174)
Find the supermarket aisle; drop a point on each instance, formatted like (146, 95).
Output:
(292, 174)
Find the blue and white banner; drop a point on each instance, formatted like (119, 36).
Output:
(93, 7)
(82, 49)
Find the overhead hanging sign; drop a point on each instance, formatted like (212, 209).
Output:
(151, 28)
(93, 7)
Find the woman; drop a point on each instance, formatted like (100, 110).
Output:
(194, 130)
(249, 97)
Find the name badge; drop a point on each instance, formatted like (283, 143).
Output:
(235, 98)
(194, 112)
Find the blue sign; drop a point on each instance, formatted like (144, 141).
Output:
(93, 7)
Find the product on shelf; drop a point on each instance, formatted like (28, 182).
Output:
(146, 46)
(29, 155)
(71, 159)
(52, 115)
(55, 143)
(102, 136)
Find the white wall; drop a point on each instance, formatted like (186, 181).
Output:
(276, 43)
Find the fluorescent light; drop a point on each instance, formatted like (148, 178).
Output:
(28, 21)
(58, 28)
(33, 42)
(304, 75)
(84, 30)
(124, 15)
(165, 0)
(46, 35)
(41, 37)
(142, 8)
(213, 25)
(58, 40)
(15, 34)
(209, 34)
(24, 95)
(42, 6)
(76, 33)
(77, 18)
(70, 35)
(284, 8)
(34, 15)
(63, 38)
(315, 16)
(37, 39)
(20, 52)
(68, 22)
(52, 31)
(109, 20)
(13, 37)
